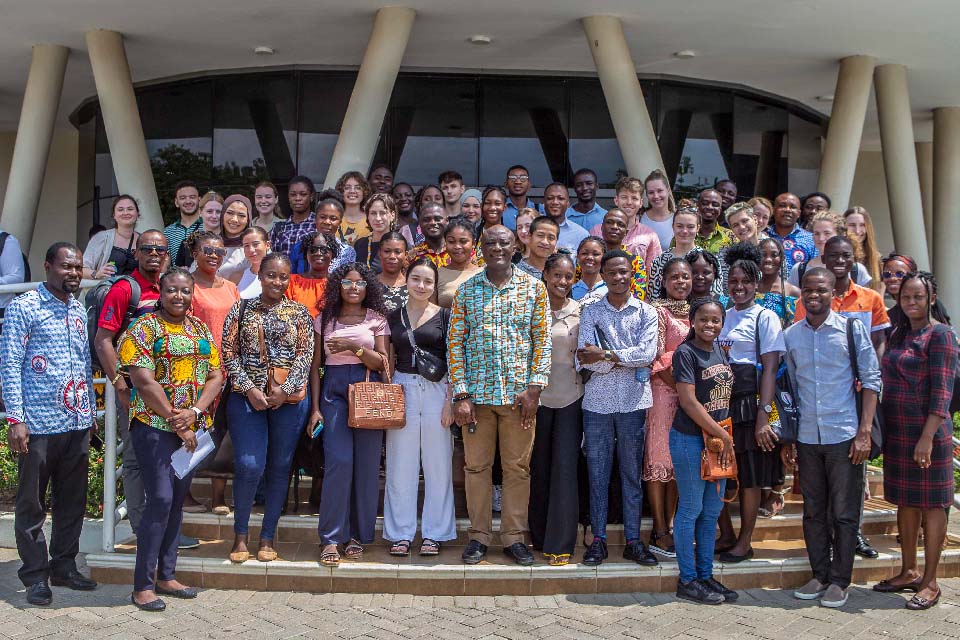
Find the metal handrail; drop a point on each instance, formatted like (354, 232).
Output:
(109, 414)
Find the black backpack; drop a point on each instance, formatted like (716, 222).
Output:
(94, 303)
(26, 264)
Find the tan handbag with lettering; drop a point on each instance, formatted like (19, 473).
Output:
(276, 376)
(710, 467)
(376, 405)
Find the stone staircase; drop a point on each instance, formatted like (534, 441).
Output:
(780, 560)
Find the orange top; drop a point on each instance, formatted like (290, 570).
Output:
(308, 292)
(212, 305)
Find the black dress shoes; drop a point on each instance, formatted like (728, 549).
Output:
(596, 553)
(474, 552)
(75, 580)
(864, 550)
(187, 593)
(638, 552)
(154, 606)
(519, 553)
(39, 594)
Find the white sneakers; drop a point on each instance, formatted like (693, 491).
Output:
(830, 596)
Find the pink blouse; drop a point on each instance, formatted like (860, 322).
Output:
(363, 333)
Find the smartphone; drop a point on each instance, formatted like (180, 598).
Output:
(642, 374)
(317, 428)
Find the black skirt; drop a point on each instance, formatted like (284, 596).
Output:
(756, 468)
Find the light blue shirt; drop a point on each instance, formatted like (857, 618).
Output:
(11, 268)
(510, 213)
(45, 363)
(819, 362)
(571, 234)
(589, 219)
(581, 289)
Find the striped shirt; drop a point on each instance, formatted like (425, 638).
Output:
(176, 233)
(499, 339)
(45, 355)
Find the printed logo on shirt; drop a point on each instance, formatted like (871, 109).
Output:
(108, 314)
(38, 364)
(75, 397)
(80, 327)
(725, 345)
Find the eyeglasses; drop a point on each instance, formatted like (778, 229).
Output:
(520, 178)
(150, 248)
(893, 274)
(319, 249)
(209, 251)
(353, 284)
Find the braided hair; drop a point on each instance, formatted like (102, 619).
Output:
(695, 306)
(169, 273)
(195, 239)
(661, 294)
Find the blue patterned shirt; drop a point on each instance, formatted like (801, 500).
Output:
(797, 245)
(298, 264)
(287, 233)
(45, 363)
(499, 340)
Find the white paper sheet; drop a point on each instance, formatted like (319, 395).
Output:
(184, 461)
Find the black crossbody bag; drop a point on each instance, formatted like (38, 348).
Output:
(431, 367)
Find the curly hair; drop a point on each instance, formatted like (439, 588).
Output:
(333, 299)
(361, 180)
(746, 257)
(307, 242)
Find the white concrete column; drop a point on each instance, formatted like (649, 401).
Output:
(121, 119)
(838, 164)
(900, 162)
(32, 148)
(925, 171)
(946, 194)
(361, 126)
(621, 89)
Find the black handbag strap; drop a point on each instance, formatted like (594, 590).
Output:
(405, 321)
(852, 350)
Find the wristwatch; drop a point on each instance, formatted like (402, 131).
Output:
(359, 352)
(198, 412)
(607, 355)
(768, 409)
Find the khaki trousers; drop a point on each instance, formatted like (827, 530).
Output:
(516, 445)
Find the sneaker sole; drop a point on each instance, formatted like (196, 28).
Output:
(662, 552)
(834, 604)
(809, 596)
(689, 599)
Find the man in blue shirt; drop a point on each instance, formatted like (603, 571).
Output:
(518, 184)
(556, 203)
(797, 243)
(48, 391)
(833, 442)
(586, 212)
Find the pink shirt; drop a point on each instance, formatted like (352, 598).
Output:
(363, 333)
(640, 241)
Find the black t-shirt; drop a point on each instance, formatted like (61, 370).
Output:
(712, 378)
(430, 337)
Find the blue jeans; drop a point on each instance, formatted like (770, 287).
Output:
(626, 431)
(262, 440)
(698, 509)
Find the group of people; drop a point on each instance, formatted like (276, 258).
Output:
(555, 342)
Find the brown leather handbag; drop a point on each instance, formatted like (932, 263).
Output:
(376, 405)
(710, 467)
(276, 376)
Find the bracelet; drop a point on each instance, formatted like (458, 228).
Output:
(462, 397)
(113, 381)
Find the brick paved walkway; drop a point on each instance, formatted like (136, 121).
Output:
(107, 613)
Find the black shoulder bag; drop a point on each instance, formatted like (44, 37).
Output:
(786, 424)
(431, 367)
(876, 431)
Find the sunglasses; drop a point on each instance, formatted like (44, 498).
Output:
(893, 274)
(150, 248)
(319, 249)
(353, 284)
(209, 251)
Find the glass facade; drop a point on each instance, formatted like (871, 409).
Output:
(228, 132)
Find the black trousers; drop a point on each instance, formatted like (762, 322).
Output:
(59, 461)
(832, 491)
(554, 488)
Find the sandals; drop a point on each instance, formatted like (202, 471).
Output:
(557, 559)
(667, 551)
(399, 548)
(353, 550)
(330, 558)
(764, 512)
(887, 586)
(429, 547)
(239, 557)
(221, 510)
(266, 555)
(916, 603)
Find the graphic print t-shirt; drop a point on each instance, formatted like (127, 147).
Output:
(712, 379)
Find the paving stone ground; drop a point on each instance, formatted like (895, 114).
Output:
(760, 614)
